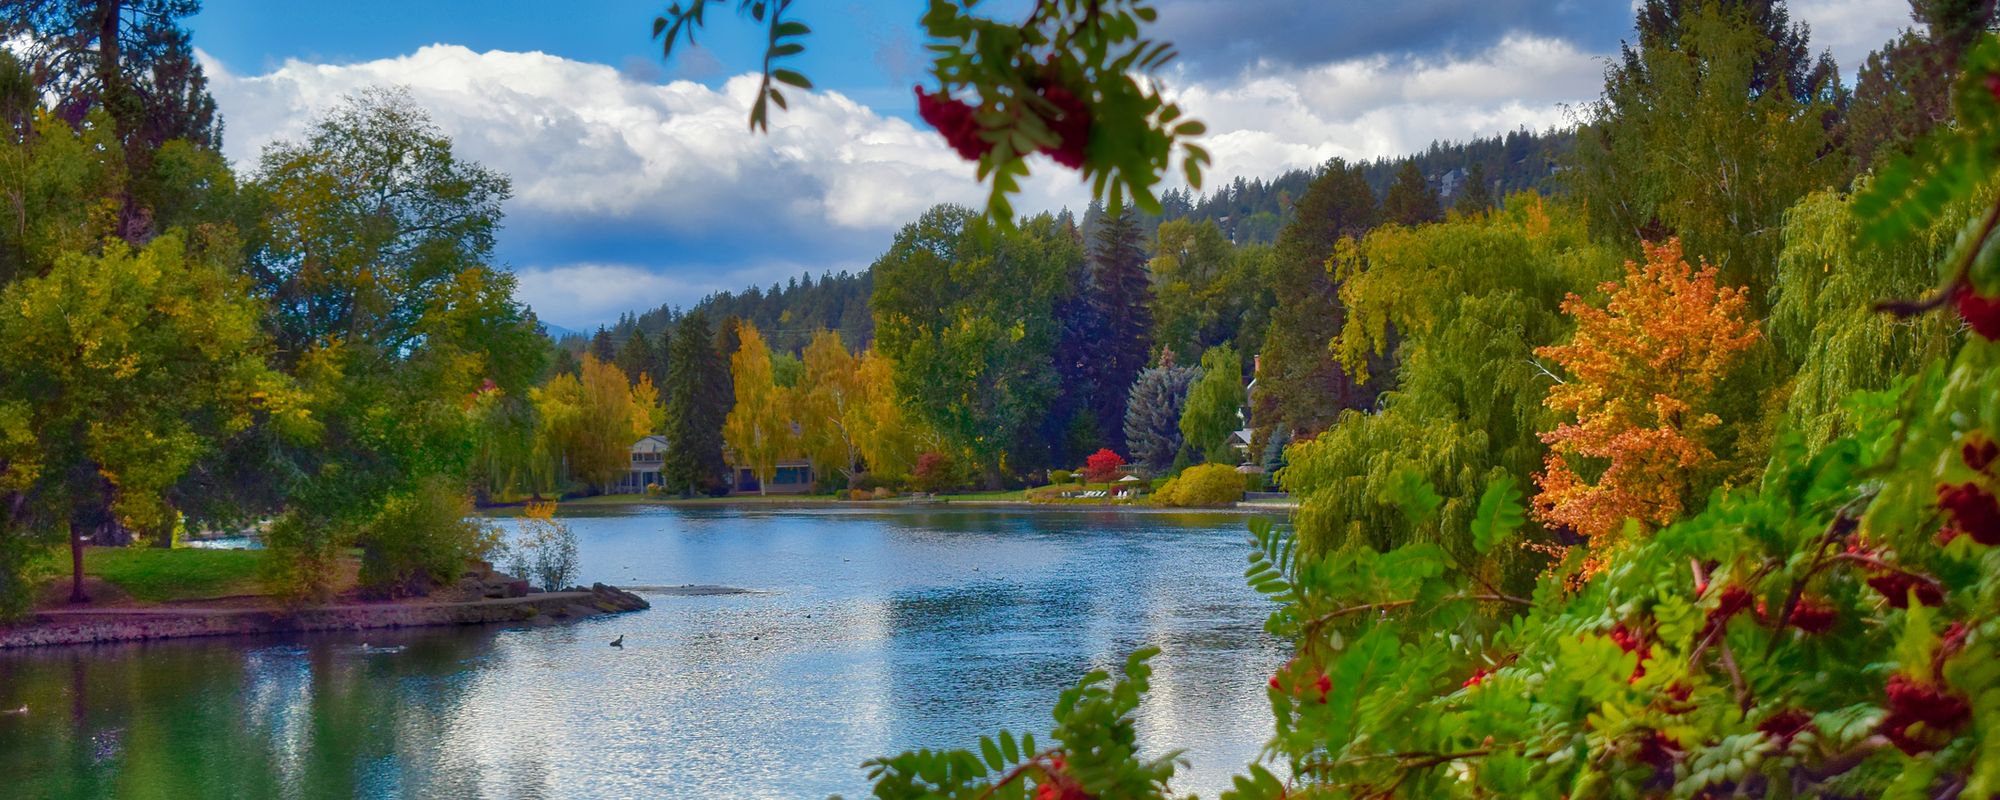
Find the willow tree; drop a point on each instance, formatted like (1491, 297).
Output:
(1214, 407)
(1467, 301)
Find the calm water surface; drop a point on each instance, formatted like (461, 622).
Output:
(873, 632)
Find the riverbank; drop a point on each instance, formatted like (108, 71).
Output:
(66, 626)
(995, 500)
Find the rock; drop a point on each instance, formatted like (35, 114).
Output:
(517, 588)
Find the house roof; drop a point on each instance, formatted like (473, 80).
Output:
(655, 439)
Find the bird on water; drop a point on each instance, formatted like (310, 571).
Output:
(618, 642)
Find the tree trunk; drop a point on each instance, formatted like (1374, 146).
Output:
(76, 594)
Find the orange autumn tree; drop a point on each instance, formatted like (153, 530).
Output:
(1643, 376)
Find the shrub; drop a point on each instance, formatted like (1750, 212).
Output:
(934, 472)
(1060, 477)
(420, 539)
(859, 494)
(1102, 466)
(883, 493)
(544, 550)
(1204, 485)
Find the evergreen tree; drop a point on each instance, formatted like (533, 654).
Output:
(1477, 195)
(1411, 200)
(662, 355)
(1904, 89)
(636, 357)
(696, 409)
(1301, 384)
(602, 346)
(565, 363)
(1153, 412)
(1121, 302)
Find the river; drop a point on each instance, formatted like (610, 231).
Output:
(870, 632)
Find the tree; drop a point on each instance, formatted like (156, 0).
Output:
(832, 408)
(1643, 374)
(133, 61)
(1102, 466)
(636, 358)
(1710, 90)
(759, 427)
(1215, 405)
(964, 309)
(695, 409)
(1205, 292)
(1300, 383)
(1411, 200)
(1903, 89)
(122, 370)
(1477, 196)
(590, 421)
(602, 347)
(374, 259)
(1152, 416)
(887, 437)
(544, 550)
(1120, 297)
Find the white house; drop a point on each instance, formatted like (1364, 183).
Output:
(649, 456)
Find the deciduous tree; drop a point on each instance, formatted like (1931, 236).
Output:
(759, 427)
(1215, 406)
(1643, 372)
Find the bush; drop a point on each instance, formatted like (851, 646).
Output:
(1060, 477)
(1201, 486)
(420, 539)
(883, 493)
(544, 550)
(860, 494)
(934, 472)
(1102, 466)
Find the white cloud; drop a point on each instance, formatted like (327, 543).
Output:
(1852, 28)
(1271, 118)
(582, 296)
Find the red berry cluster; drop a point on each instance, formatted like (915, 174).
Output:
(1071, 126)
(1973, 510)
(1982, 313)
(1632, 641)
(953, 118)
(1814, 615)
(1895, 586)
(1057, 784)
(1786, 725)
(1941, 712)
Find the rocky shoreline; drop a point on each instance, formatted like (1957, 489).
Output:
(138, 623)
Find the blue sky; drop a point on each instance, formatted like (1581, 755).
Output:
(636, 185)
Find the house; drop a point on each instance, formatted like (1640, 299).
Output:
(791, 476)
(649, 456)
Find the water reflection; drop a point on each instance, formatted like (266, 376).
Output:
(877, 631)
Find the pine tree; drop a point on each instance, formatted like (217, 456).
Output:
(602, 347)
(695, 409)
(1301, 384)
(1477, 196)
(636, 357)
(1121, 301)
(1411, 200)
(1153, 412)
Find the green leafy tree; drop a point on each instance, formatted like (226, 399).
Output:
(965, 309)
(123, 370)
(1215, 406)
(374, 260)
(1152, 417)
(1206, 292)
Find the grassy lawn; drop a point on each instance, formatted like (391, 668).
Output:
(153, 575)
(1013, 494)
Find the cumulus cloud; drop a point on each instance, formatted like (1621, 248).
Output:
(608, 168)
(1273, 118)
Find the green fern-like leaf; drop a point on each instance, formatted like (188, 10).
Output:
(1500, 513)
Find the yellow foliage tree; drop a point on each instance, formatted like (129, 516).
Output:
(589, 421)
(829, 406)
(759, 427)
(1643, 377)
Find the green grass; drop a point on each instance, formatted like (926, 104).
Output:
(154, 575)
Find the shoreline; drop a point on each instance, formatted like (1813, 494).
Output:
(753, 502)
(77, 626)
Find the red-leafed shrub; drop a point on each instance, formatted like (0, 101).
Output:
(1102, 466)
